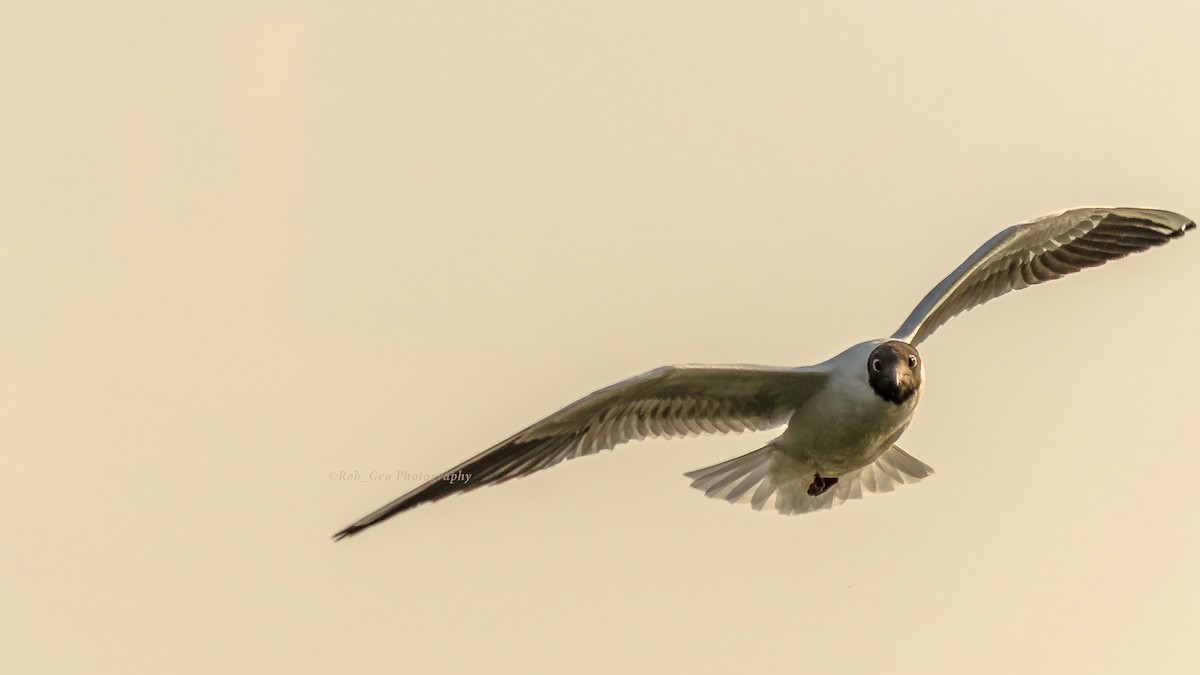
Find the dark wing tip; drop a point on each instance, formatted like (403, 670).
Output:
(432, 491)
(347, 531)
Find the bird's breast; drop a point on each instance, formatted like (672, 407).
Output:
(846, 426)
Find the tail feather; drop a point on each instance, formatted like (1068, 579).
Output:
(769, 479)
(717, 476)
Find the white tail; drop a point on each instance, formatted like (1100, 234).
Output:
(769, 479)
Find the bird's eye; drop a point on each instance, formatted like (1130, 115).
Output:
(877, 365)
(912, 361)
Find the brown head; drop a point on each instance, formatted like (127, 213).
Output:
(894, 371)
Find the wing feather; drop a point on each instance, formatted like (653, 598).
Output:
(1038, 251)
(667, 402)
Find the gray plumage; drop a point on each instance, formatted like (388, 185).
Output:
(843, 415)
(1038, 251)
(667, 402)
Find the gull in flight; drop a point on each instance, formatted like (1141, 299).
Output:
(843, 416)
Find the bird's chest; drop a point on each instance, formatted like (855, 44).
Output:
(845, 427)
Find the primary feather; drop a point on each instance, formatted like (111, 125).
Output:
(1038, 251)
(667, 402)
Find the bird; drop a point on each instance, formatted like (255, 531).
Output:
(843, 416)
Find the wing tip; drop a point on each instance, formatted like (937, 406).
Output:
(348, 531)
(1174, 222)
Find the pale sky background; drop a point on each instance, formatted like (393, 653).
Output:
(248, 245)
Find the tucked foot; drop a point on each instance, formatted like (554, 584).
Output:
(820, 485)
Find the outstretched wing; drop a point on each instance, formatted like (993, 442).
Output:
(1040, 250)
(667, 402)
